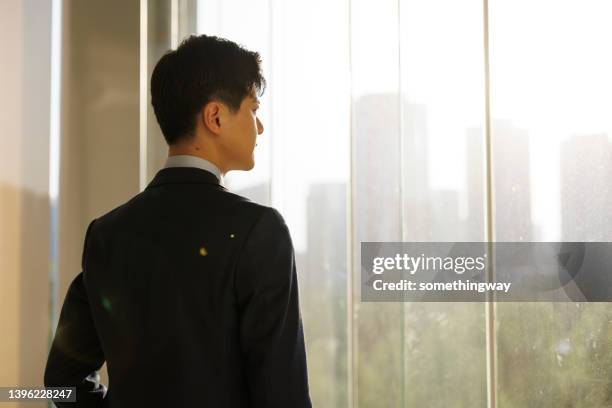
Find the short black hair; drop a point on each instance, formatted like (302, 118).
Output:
(202, 68)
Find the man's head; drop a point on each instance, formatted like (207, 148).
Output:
(205, 97)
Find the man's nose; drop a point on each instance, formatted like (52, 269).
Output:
(260, 127)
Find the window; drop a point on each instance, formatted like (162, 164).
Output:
(377, 117)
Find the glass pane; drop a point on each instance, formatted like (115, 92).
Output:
(417, 129)
(550, 105)
(376, 196)
(442, 88)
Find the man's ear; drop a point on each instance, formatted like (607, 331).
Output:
(211, 116)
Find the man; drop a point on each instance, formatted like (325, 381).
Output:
(189, 292)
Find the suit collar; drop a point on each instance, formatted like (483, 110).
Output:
(183, 175)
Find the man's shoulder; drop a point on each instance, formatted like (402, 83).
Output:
(224, 204)
(259, 213)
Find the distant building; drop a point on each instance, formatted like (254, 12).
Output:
(586, 188)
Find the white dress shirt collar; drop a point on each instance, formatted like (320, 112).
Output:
(186, 160)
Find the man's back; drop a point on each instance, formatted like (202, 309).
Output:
(193, 298)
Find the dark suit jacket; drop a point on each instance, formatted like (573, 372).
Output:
(190, 295)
